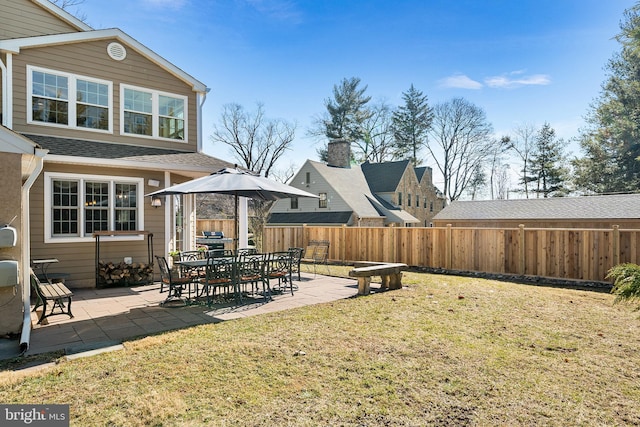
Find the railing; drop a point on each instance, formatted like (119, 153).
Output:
(567, 253)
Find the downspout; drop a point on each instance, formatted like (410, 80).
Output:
(6, 92)
(39, 154)
(202, 98)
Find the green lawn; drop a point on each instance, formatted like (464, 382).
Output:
(442, 351)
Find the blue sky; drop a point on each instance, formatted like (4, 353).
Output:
(522, 61)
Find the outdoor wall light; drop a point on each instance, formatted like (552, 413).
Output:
(156, 202)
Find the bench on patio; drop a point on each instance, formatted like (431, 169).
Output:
(57, 293)
(390, 273)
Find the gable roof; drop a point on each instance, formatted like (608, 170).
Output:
(15, 45)
(561, 208)
(310, 217)
(352, 186)
(384, 177)
(62, 14)
(13, 142)
(420, 172)
(82, 152)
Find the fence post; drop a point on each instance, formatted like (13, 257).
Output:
(616, 245)
(343, 243)
(522, 251)
(448, 248)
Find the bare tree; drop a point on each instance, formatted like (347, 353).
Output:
(67, 4)
(523, 143)
(255, 141)
(459, 142)
(377, 143)
(496, 171)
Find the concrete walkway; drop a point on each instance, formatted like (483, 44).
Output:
(106, 317)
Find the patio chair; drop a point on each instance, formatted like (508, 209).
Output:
(251, 269)
(279, 268)
(219, 275)
(190, 272)
(317, 253)
(173, 281)
(296, 258)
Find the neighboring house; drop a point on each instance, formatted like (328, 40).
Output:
(371, 194)
(556, 212)
(118, 122)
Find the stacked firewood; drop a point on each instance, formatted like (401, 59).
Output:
(115, 274)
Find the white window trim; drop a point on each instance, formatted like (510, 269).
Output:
(155, 113)
(72, 99)
(50, 176)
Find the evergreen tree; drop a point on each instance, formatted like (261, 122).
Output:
(547, 166)
(347, 110)
(612, 141)
(411, 122)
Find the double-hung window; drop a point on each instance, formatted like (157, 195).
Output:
(79, 205)
(146, 112)
(63, 99)
(322, 200)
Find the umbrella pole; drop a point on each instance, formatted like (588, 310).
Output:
(237, 225)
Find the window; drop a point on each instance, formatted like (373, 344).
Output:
(322, 202)
(64, 99)
(431, 207)
(294, 203)
(154, 114)
(308, 178)
(417, 201)
(399, 199)
(425, 203)
(79, 205)
(408, 200)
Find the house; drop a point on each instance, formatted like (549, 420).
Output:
(370, 194)
(556, 212)
(111, 121)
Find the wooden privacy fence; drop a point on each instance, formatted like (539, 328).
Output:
(567, 253)
(224, 225)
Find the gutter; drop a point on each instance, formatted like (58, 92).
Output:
(39, 154)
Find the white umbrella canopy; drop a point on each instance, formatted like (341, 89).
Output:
(236, 182)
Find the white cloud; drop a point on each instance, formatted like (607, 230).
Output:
(508, 82)
(460, 81)
(283, 10)
(166, 4)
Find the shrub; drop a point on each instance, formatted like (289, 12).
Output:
(626, 284)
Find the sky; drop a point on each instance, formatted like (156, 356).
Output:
(521, 61)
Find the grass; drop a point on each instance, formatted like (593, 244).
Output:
(442, 351)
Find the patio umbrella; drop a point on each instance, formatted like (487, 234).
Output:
(235, 182)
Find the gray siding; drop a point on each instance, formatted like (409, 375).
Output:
(90, 59)
(78, 259)
(22, 18)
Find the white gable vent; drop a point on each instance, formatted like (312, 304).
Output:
(116, 51)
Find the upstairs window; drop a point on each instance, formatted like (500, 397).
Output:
(294, 203)
(322, 201)
(69, 100)
(154, 114)
(399, 199)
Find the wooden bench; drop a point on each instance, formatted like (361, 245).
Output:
(57, 293)
(390, 273)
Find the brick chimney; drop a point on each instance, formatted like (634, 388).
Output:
(339, 153)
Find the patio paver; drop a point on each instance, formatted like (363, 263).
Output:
(106, 317)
